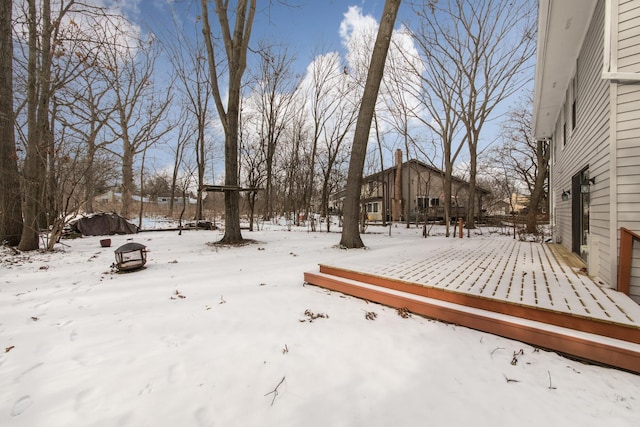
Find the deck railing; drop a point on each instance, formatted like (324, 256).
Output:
(627, 237)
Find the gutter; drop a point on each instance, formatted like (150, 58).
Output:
(543, 29)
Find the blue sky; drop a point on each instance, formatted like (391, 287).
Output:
(306, 26)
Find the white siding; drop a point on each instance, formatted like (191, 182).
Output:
(628, 171)
(628, 131)
(628, 36)
(587, 146)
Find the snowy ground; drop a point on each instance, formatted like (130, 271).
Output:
(224, 336)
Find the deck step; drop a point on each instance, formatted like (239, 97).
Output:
(570, 320)
(598, 348)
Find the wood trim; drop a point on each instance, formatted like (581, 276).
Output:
(565, 320)
(621, 77)
(535, 333)
(627, 237)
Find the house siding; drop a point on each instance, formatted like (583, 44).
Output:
(628, 158)
(628, 36)
(417, 180)
(627, 131)
(587, 145)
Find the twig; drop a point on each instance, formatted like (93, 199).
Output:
(275, 391)
(551, 387)
(511, 380)
(514, 361)
(496, 349)
(370, 315)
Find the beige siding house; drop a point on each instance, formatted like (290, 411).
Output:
(587, 102)
(412, 190)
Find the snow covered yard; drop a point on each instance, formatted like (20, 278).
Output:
(231, 336)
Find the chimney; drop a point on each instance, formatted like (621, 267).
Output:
(396, 202)
(399, 157)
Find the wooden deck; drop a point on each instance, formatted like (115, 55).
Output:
(520, 290)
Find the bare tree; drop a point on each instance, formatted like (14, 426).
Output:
(401, 85)
(526, 156)
(41, 39)
(235, 46)
(55, 53)
(333, 144)
(489, 44)
(438, 102)
(67, 174)
(254, 162)
(10, 201)
(350, 231)
(297, 162)
(86, 111)
(273, 90)
(322, 102)
(188, 59)
(185, 132)
(141, 104)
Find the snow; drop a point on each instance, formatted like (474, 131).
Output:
(218, 336)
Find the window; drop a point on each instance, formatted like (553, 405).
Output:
(574, 100)
(434, 202)
(421, 202)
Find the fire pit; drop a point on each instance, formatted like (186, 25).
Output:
(131, 256)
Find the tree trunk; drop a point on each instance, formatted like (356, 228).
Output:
(473, 166)
(201, 160)
(10, 202)
(542, 154)
(37, 123)
(350, 233)
(232, 233)
(141, 210)
(89, 180)
(127, 179)
(236, 46)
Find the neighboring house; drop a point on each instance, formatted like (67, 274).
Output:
(109, 196)
(587, 103)
(516, 204)
(178, 200)
(499, 208)
(519, 202)
(412, 189)
(116, 197)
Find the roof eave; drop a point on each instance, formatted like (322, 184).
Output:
(562, 26)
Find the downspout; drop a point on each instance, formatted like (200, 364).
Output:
(551, 196)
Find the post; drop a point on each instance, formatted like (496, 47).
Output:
(624, 264)
(460, 221)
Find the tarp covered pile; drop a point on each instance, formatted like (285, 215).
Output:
(102, 224)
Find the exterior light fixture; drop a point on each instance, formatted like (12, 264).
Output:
(585, 187)
(565, 195)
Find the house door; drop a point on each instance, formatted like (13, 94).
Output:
(580, 214)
